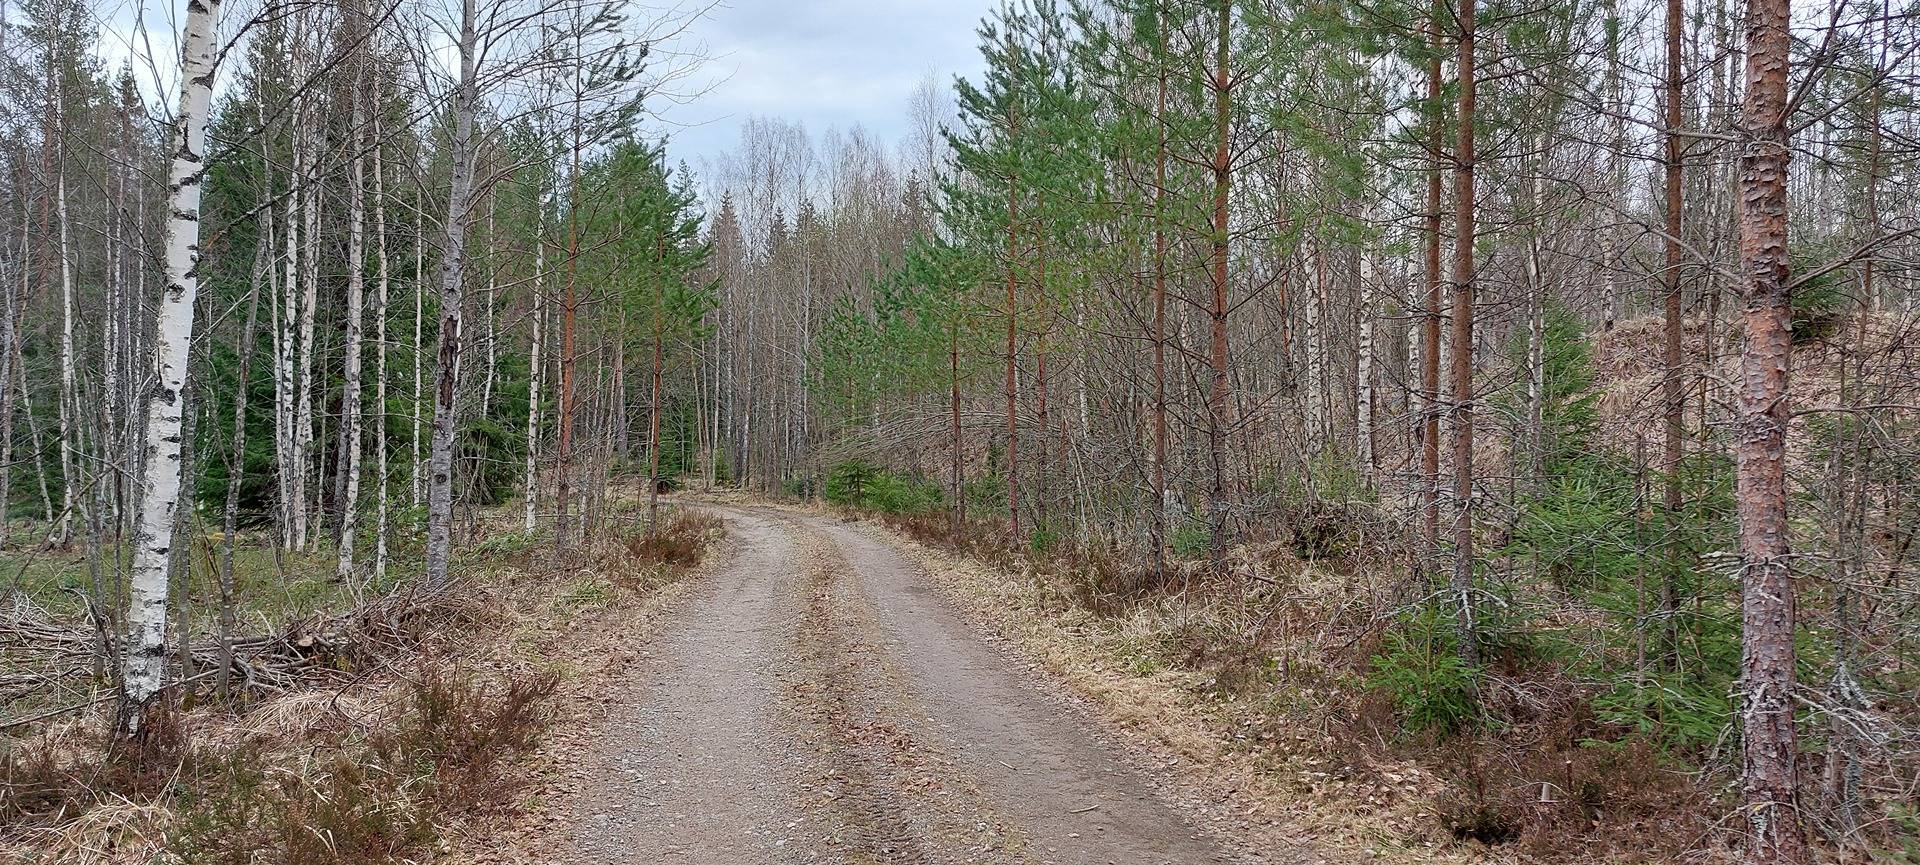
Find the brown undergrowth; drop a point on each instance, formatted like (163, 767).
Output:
(1264, 680)
(384, 766)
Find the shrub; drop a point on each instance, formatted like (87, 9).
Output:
(1420, 670)
(1191, 539)
(679, 543)
(860, 484)
(365, 802)
(466, 730)
(848, 482)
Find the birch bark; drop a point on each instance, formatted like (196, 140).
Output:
(143, 661)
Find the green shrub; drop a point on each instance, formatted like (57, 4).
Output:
(860, 484)
(1191, 539)
(1420, 670)
(902, 494)
(847, 484)
(1818, 303)
(1045, 537)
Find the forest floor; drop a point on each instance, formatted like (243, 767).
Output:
(822, 694)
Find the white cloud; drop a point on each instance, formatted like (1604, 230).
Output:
(823, 63)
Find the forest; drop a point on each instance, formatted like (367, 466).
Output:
(1490, 421)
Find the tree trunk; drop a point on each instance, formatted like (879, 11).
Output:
(307, 180)
(347, 462)
(531, 481)
(1013, 317)
(1430, 322)
(1769, 747)
(143, 661)
(452, 270)
(1160, 312)
(653, 412)
(1462, 348)
(1672, 393)
(382, 298)
(1217, 353)
(69, 451)
(1363, 397)
(563, 444)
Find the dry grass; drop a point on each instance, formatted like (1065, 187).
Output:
(380, 767)
(1258, 686)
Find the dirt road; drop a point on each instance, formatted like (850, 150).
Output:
(814, 701)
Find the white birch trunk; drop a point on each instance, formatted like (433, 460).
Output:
(532, 477)
(493, 359)
(285, 309)
(452, 264)
(419, 345)
(1317, 353)
(382, 285)
(349, 458)
(1363, 399)
(69, 459)
(143, 662)
(303, 433)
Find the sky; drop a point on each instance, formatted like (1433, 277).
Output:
(823, 63)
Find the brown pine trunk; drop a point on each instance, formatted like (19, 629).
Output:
(1463, 285)
(1430, 323)
(1160, 325)
(1013, 287)
(1217, 344)
(1769, 778)
(1671, 390)
(653, 423)
(1041, 467)
(953, 385)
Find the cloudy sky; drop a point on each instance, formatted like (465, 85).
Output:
(824, 63)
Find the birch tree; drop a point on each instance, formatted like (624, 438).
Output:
(143, 659)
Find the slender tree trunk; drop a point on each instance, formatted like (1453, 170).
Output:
(1673, 393)
(953, 396)
(1769, 746)
(1217, 394)
(1316, 348)
(452, 269)
(303, 419)
(1013, 317)
(1463, 289)
(383, 283)
(563, 444)
(347, 462)
(143, 661)
(285, 310)
(1363, 397)
(1430, 322)
(10, 300)
(1160, 311)
(419, 347)
(653, 412)
(69, 451)
(488, 314)
(531, 482)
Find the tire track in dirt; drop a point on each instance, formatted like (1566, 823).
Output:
(892, 797)
(1055, 793)
(696, 763)
(813, 702)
